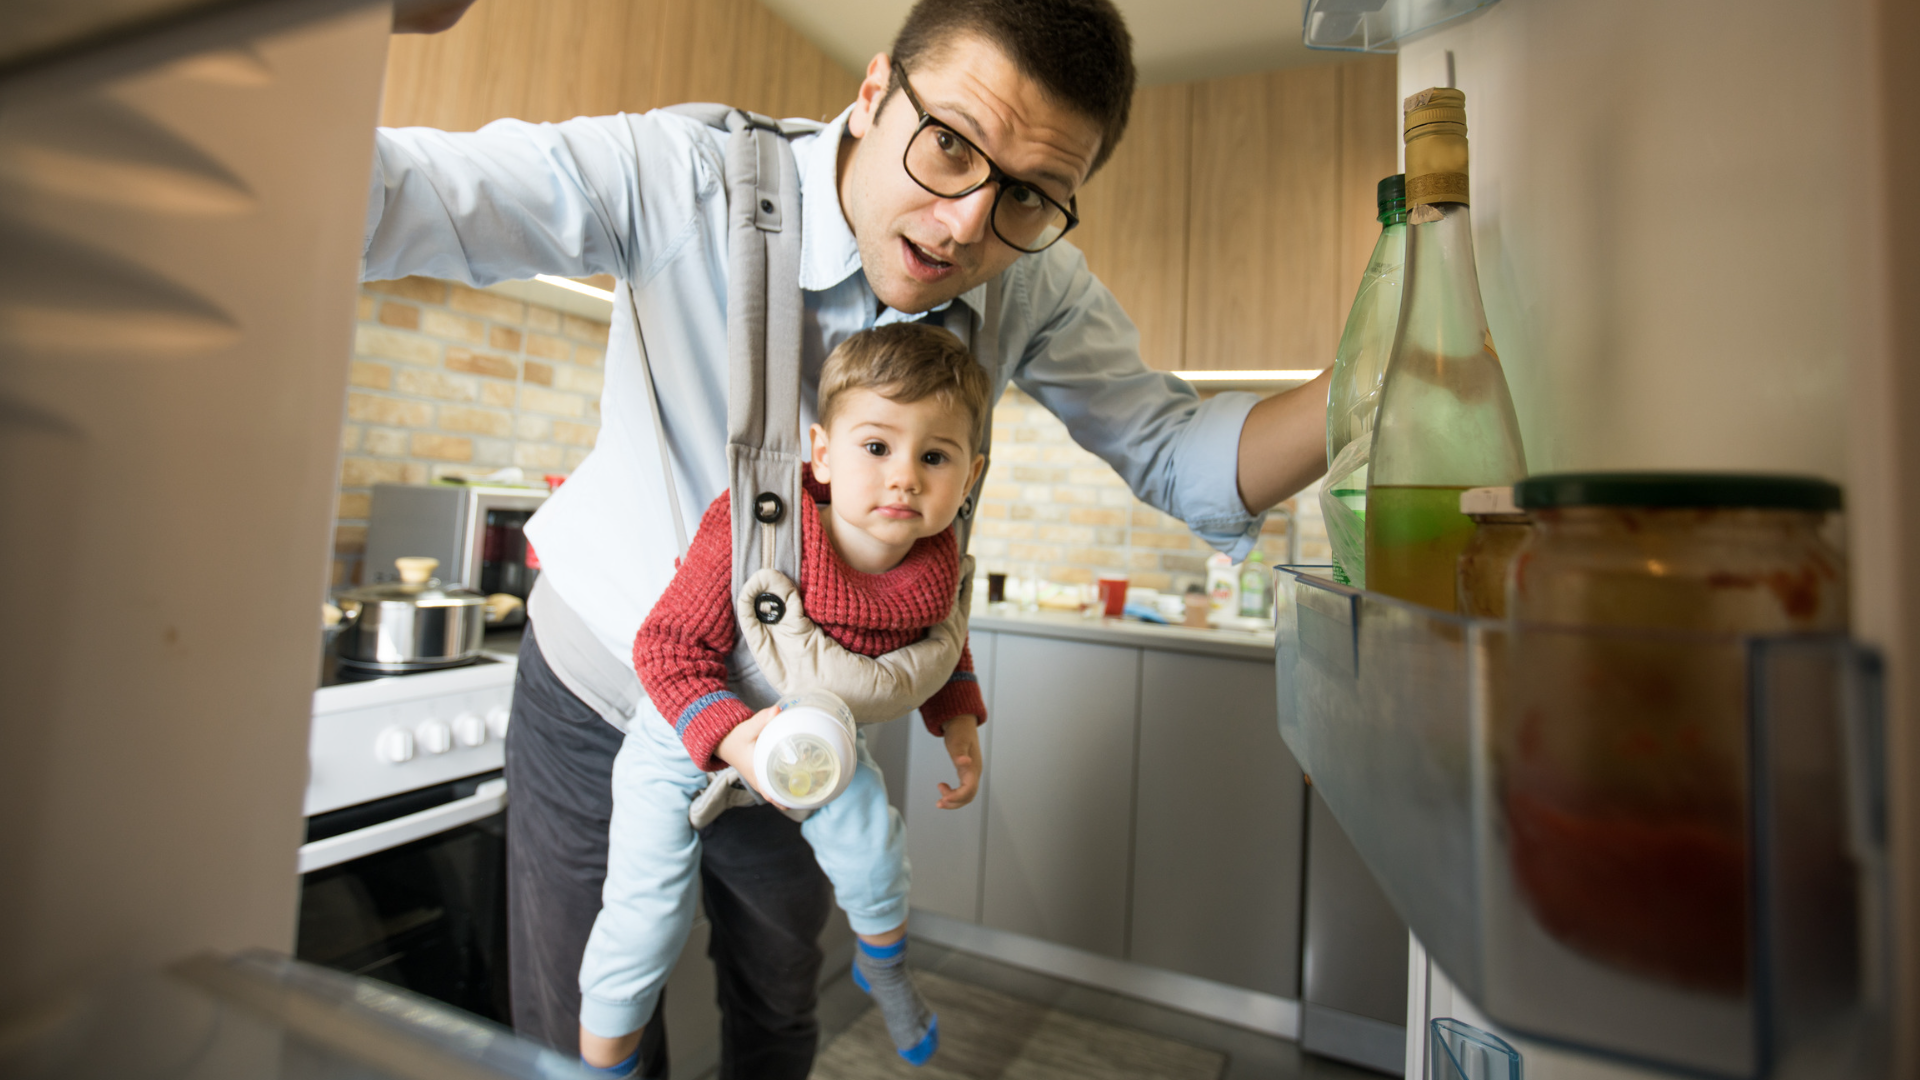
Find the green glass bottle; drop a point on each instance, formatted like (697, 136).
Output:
(1446, 421)
(1359, 364)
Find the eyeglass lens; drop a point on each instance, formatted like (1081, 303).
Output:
(948, 165)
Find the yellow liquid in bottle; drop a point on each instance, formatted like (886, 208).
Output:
(1415, 535)
(802, 767)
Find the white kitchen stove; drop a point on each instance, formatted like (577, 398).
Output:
(385, 736)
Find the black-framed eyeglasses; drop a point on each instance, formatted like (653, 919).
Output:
(949, 165)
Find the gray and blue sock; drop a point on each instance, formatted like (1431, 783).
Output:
(882, 973)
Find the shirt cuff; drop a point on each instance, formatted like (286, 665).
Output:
(960, 697)
(708, 720)
(1207, 475)
(612, 1019)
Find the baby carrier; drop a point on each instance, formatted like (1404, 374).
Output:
(779, 649)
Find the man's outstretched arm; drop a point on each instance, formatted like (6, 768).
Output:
(1283, 445)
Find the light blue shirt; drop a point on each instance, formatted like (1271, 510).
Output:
(641, 197)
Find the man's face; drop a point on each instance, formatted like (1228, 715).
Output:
(918, 249)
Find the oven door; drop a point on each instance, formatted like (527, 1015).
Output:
(412, 890)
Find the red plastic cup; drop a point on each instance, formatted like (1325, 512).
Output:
(1113, 594)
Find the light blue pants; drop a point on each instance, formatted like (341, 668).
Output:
(653, 861)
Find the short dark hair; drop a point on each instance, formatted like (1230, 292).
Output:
(908, 362)
(1079, 51)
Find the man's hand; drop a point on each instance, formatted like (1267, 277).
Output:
(737, 750)
(963, 746)
(1283, 445)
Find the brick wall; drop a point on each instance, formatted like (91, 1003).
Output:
(453, 381)
(1054, 512)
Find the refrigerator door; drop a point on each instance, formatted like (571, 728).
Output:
(179, 243)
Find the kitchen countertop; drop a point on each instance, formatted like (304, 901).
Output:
(1132, 633)
(1229, 644)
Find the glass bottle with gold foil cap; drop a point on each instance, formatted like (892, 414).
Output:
(1446, 421)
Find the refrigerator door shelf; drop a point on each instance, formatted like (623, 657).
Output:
(1377, 26)
(1425, 738)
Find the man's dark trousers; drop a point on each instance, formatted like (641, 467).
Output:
(766, 898)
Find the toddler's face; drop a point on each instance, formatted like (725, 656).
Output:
(899, 470)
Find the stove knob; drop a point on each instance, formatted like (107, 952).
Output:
(435, 736)
(394, 746)
(469, 729)
(497, 718)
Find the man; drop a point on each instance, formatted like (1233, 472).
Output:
(957, 164)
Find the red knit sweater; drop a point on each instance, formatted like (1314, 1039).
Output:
(682, 650)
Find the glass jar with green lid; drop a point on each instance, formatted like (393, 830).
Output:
(1713, 552)
(1620, 749)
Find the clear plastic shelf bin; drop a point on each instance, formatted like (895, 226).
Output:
(1377, 26)
(1705, 896)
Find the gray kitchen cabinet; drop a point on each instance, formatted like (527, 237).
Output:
(1058, 838)
(1218, 826)
(945, 846)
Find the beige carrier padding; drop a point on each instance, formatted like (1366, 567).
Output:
(780, 650)
(794, 653)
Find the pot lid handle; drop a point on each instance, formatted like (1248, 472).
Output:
(416, 569)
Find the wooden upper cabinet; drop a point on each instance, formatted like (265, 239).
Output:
(1263, 247)
(1282, 218)
(1236, 218)
(1133, 221)
(1369, 153)
(556, 59)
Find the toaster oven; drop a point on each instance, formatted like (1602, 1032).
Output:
(477, 532)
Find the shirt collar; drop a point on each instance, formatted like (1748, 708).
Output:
(828, 252)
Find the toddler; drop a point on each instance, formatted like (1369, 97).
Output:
(902, 409)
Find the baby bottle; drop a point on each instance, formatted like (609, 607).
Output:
(806, 753)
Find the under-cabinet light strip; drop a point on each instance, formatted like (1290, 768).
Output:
(567, 283)
(1266, 375)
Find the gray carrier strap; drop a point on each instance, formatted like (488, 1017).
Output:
(765, 449)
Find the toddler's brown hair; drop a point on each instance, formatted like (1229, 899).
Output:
(907, 362)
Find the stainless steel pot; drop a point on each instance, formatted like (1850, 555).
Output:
(414, 624)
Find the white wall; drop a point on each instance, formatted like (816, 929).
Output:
(1670, 212)
(1674, 218)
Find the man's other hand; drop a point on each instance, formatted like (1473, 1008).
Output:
(427, 16)
(963, 746)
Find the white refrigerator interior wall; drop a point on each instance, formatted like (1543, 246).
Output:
(1668, 207)
(176, 302)
(1673, 221)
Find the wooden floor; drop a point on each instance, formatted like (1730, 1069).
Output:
(999, 1022)
(986, 1035)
